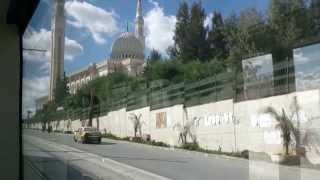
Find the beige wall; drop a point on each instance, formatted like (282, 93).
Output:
(175, 116)
(225, 124)
(213, 125)
(115, 123)
(145, 119)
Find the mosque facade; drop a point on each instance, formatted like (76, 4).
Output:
(127, 55)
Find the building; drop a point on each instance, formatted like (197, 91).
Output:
(127, 55)
(57, 47)
(41, 102)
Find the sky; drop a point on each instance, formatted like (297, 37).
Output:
(92, 26)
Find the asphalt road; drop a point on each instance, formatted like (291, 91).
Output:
(178, 164)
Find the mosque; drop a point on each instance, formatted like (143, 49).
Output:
(127, 55)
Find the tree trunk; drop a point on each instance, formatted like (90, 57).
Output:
(287, 149)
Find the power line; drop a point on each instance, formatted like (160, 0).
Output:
(31, 49)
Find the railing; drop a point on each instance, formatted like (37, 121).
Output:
(159, 94)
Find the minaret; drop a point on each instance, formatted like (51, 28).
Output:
(57, 46)
(139, 24)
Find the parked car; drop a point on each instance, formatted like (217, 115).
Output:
(87, 135)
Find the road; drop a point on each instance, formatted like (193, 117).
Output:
(165, 163)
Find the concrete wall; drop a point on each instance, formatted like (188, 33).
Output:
(115, 123)
(223, 125)
(256, 130)
(175, 116)
(145, 119)
(213, 125)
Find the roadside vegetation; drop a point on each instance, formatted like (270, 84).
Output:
(198, 52)
(188, 146)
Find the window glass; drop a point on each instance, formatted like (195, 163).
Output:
(154, 89)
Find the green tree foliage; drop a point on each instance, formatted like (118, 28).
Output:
(197, 70)
(190, 34)
(61, 91)
(169, 69)
(315, 14)
(287, 128)
(289, 21)
(217, 39)
(199, 47)
(182, 46)
(246, 35)
(105, 89)
(172, 52)
(199, 52)
(154, 56)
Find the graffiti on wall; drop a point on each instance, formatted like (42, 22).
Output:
(214, 120)
(265, 120)
(161, 120)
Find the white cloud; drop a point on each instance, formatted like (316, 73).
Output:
(41, 39)
(208, 20)
(33, 89)
(37, 40)
(300, 57)
(72, 48)
(159, 29)
(96, 20)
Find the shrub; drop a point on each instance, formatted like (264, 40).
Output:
(126, 138)
(291, 160)
(110, 136)
(191, 146)
(155, 143)
(245, 154)
(138, 140)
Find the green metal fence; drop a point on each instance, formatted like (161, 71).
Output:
(161, 93)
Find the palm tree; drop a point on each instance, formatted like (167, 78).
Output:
(137, 124)
(286, 126)
(185, 131)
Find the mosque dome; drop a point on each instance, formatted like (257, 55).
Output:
(127, 46)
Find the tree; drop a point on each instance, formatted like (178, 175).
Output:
(289, 21)
(315, 15)
(61, 91)
(185, 131)
(182, 46)
(94, 108)
(216, 38)
(137, 124)
(285, 124)
(154, 56)
(197, 33)
(172, 52)
(290, 24)
(170, 70)
(244, 34)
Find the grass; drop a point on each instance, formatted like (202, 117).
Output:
(136, 140)
(187, 146)
(197, 148)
